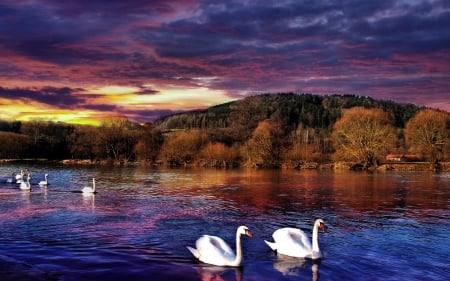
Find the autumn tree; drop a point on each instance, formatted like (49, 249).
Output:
(264, 146)
(13, 145)
(149, 143)
(363, 135)
(219, 155)
(84, 143)
(118, 137)
(302, 145)
(427, 134)
(180, 148)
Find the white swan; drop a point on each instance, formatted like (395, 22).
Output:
(88, 189)
(25, 185)
(20, 176)
(213, 250)
(294, 242)
(44, 182)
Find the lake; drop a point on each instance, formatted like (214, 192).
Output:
(381, 226)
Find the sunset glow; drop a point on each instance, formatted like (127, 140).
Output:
(79, 63)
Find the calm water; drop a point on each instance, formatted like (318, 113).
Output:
(385, 226)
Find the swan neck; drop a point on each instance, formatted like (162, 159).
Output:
(238, 259)
(93, 185)
(315, 239)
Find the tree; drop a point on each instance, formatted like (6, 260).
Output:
(13, 145)
(219, 155)
(84, 143)
(149, 143)
(118, 137)
(180, 148)
(49, 139)
(427, 133)
(363, 135)
(264, 146)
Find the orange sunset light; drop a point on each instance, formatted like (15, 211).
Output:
(121, 98)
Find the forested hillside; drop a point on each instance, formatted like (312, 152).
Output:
(291, 109)
(269, 130)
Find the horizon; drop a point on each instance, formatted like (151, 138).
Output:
(112, 116)
(79, 62)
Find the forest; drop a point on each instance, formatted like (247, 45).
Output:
(267, 130)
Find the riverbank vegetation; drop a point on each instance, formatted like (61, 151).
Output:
(269, 130)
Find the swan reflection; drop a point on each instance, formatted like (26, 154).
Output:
(290, 266)
(218, 273)
(89, 200)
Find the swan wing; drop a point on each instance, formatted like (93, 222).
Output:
(214, 250)
(292, 242)
(194, 252)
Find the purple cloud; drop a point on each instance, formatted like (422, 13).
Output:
(386, 49)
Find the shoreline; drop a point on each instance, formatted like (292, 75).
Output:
(350, 166)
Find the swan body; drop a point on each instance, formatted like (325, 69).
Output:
(20, 176)
(295, 243)
(213, 250)
(89, 189)
(44, 182)
(25, 185)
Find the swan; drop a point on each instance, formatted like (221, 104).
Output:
(25, 185)
(294, 242)
(213, 250)
(44, 182)
(20, 176)
(88, 189)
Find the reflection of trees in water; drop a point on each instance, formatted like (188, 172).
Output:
(400, 194)
(290, 191)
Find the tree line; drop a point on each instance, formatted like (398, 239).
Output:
(268, 130)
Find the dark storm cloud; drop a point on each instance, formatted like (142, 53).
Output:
(101, 107)
(61, 97)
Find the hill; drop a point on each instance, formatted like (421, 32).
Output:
(290, 109)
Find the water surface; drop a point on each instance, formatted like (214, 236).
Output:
(381, 226)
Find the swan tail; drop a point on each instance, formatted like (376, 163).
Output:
(194, 252)
(272, 245)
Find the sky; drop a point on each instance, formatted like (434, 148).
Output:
(85, 60)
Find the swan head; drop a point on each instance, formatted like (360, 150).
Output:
(243, 230)
(320, 224)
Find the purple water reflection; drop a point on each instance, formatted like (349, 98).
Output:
(383, 226)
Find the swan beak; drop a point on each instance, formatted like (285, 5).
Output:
(322, 227)
(248, 233)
